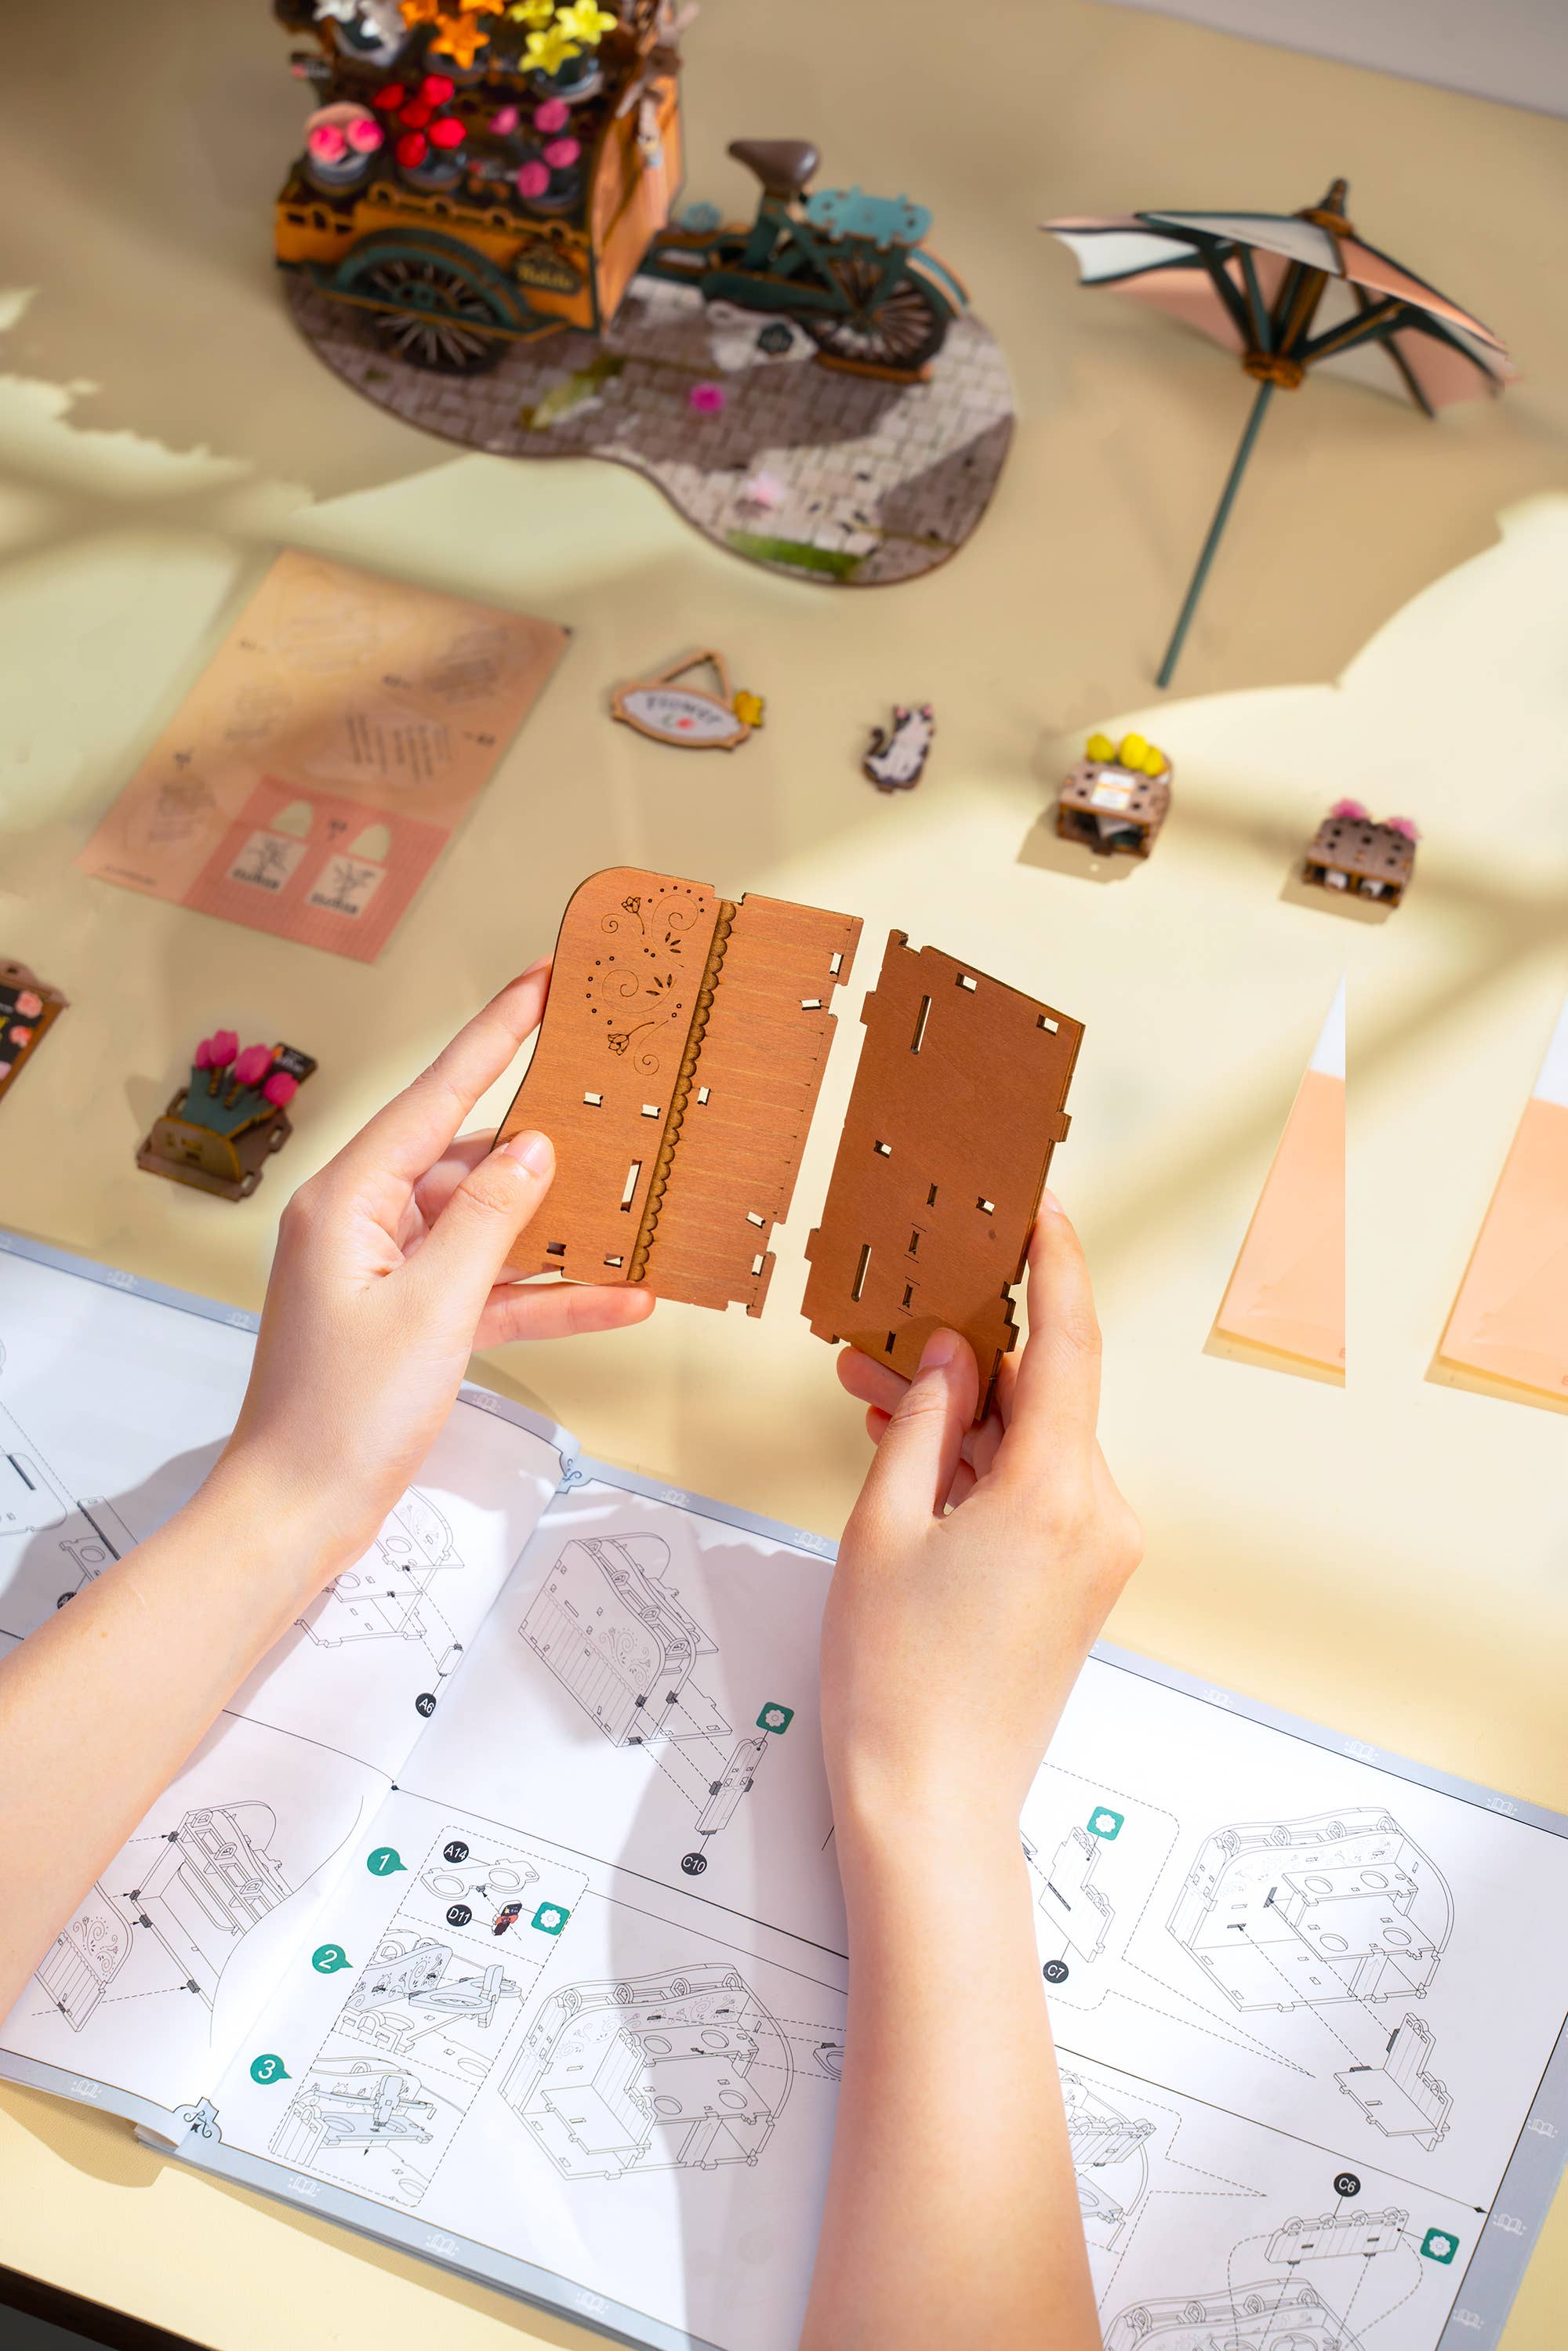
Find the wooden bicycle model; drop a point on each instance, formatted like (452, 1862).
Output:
(473, 178)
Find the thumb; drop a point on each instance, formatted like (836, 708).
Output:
(463, 1255)
(915, 1461)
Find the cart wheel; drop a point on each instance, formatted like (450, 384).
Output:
(439, 315)
(248, 1184)
(903, 331)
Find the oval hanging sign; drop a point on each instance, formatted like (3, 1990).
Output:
(684, 714)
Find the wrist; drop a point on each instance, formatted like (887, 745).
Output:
(881, 1842)
(288, 1531)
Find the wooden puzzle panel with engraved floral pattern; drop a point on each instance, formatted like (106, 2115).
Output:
(676, 1072)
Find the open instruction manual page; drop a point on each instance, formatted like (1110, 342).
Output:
(498, 1915)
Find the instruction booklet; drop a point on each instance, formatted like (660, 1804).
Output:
(497, 1915)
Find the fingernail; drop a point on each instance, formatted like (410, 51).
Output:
(533, 1151)
(938, 1351)
(1051, 1206)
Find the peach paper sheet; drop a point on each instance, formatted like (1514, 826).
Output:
(1287, 1291)
(319, 766)
(1511, 1318)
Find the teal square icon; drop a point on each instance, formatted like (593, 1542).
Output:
(549, 1918)
(775, 1716)
(1439, 2245)
(1104, 1823)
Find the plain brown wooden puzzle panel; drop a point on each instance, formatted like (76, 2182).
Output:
(955, 1111)
(676, 1072)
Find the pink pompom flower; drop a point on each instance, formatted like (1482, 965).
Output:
(1350, 811)
(327, 143)
(531, 179)
(505, 121)
(552, 114)
(706, 399)
(280, 1089)
(253, 1065)
(561, 154)
(1403, 824)
(364, 135)
(216, 1051)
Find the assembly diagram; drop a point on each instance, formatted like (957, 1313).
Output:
(1340, 1915)
(1337, 1907)
(415, 1988)
(613, 1631)
(1071, 1904)
(214, 1879)
(390, 1594)
(349, 2110)
(654, 2073)
(1109, 2159)
(88, 1532)
(201, 1886)
(1343, 2273)
(84, 1959)
(428, 2015)
(1275, 2314)
(1401, 2097)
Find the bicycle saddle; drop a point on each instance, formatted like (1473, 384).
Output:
(783, 166)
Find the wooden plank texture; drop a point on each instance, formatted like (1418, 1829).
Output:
(955, 1111)
(676, 1072)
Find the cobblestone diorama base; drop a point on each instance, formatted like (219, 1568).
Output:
(868, 482)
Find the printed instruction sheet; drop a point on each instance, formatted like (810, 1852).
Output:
(499, 1915)
(314, 773)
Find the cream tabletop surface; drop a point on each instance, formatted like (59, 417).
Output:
(1385, 621)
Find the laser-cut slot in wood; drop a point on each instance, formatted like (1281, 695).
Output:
(938, 1057)
(667, 999)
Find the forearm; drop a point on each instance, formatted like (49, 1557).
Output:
(951, 2211)
(101, 1706)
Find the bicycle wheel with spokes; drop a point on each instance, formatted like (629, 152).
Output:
(901, 331)
(435, 318)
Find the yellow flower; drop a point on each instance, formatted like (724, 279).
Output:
(547, 52)
(748, 708)
(461, 38)
(1100, 746)
(533, 11)
(583, 20)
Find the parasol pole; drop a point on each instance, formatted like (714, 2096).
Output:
(1215, 530)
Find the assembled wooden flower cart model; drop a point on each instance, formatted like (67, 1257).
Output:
(478, 177)
(219, 1131)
